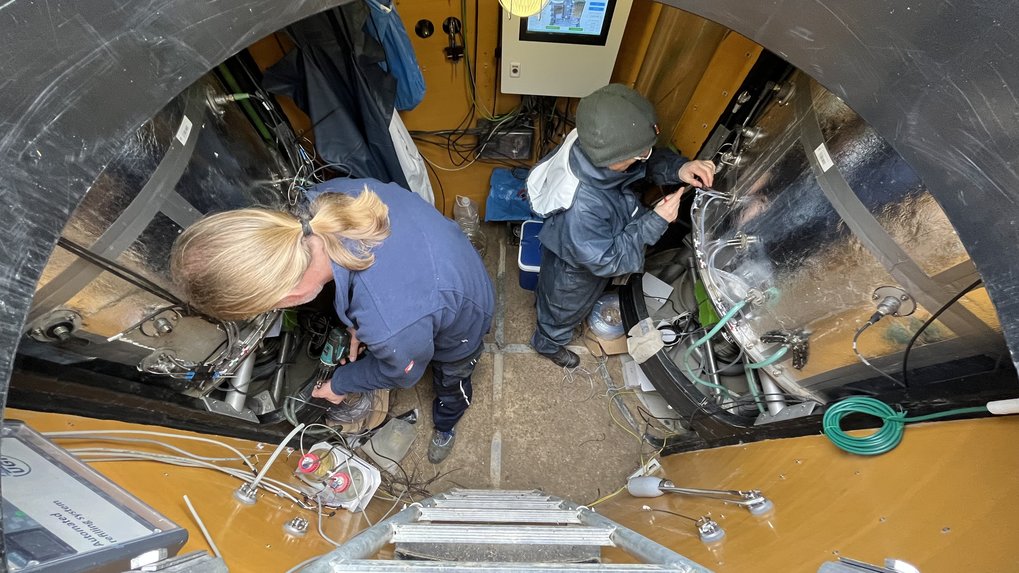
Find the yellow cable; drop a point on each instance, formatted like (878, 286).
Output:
(607, 497)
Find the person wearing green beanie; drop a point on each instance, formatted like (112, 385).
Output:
(595, 227)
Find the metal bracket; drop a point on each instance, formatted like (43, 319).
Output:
(788, 413)
(709, 530)
(221, 407)
(797, 341)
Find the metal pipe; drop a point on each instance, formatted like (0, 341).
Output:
(772, 393)
(279, 377)
(240, 383)
(711, 366)
(708, 362)
(738, 497)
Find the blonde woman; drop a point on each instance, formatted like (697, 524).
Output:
(409, 286)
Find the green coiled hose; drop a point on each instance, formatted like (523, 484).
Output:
(890, 433)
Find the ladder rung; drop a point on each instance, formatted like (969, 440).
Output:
(471, 495)
(497, 504)
(447, 566)
(501, 534)
(475, 515)
(511, 493)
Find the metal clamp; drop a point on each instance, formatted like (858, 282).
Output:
(752, 499)
(649, 486)
(297, 527)
(709, 530)
(246, 494)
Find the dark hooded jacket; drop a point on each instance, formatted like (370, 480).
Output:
(606, 228)
(427, 296)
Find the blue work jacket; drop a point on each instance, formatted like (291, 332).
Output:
(427, 296)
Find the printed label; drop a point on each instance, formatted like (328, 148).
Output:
(184, 130)
(823, 159)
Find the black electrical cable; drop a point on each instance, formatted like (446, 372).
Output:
(863, 358)
(442, 190)
(119, 271)
(912, 341)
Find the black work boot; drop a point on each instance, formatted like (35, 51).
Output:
(563, 357)
(441, 445)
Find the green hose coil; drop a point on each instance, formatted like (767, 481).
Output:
(891, 431)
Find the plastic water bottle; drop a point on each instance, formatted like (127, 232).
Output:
(465, 213)
(390, 444)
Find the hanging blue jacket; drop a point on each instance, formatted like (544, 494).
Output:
(427, 296)
(401, 61)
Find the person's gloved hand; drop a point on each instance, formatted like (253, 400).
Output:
(699, 173)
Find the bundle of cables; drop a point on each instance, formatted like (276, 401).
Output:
(892, 428)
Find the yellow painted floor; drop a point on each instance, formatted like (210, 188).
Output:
(529, 426)
(945, 500)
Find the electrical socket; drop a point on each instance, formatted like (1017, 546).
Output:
(514, 69)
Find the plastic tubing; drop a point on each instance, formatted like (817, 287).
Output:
(769, 360)
(885, 438)
(83, 434)
(689, 351)
(201, 526)
(275, 454)
(751, 366)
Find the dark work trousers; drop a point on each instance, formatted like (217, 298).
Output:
(453, 389)
(565, 296)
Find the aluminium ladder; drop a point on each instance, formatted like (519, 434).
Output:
(503, 530)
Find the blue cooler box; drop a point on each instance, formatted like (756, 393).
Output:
(529, 257)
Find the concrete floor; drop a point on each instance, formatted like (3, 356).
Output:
(531, 424)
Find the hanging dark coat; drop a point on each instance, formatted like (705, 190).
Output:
(334, 76)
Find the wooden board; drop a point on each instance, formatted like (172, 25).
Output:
(945, 500)
(251, 538)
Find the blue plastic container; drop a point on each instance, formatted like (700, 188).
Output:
(529, 257)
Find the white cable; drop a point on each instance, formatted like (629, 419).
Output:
(149, 433)
(320, 532)
(391, 508)
(275, 487)
(156, 442)
(310, 426)
(201, 526)
(276, 454)
(357, 490)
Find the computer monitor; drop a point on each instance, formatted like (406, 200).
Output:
(567, 49)
(584, 22)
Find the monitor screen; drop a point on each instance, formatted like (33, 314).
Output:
(570, 22)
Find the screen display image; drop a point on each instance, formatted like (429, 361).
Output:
(570, 22)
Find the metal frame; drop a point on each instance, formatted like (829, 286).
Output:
(711, 426)
(938, 84)
(79, 76)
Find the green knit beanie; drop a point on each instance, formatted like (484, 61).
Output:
(615, 123)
